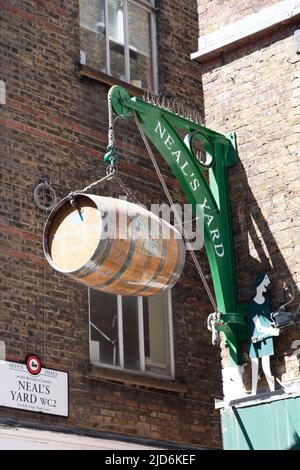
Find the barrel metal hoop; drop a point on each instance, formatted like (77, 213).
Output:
(158, 270)
(83, 270)
(176, 273)
(48, 223)
(123, 268)
(101, 252)
(174, 276)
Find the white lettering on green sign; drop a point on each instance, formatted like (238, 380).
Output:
(194, 184)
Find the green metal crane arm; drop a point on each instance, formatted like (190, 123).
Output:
(162, 128)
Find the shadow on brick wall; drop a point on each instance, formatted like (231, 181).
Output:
(257, 251)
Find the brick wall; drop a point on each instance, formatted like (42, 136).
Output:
(177, 34)
(214, 14)
(254, 90)
(54, 126)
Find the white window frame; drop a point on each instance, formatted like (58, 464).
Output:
(150, 8)
(142, 370)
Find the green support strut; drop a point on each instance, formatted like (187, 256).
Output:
(162, 129)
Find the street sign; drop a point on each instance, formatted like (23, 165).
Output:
(31, 387)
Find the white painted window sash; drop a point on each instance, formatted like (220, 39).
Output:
(142, 369)
(141, 335)
(107, 47)
(126, 41)
(171, 334)
(120, 331)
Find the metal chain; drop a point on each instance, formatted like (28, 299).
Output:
(112, 168)
(111, 133)
(178, 219)
(110, 172)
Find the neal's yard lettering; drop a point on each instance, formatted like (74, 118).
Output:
(194, 183)
(214, 232)
(23, 397)
(29, 392)
(33, 387)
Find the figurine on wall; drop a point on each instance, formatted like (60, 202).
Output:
(261, 332)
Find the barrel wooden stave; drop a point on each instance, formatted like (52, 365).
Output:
(119, 266)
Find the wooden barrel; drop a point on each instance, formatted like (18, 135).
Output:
(113, 246)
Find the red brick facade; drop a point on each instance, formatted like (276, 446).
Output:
(253, 88)
(54, 126)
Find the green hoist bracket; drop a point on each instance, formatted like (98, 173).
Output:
(164, 129)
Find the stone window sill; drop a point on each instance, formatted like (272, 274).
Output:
(89, 72)
(260, 398)
(132, 379)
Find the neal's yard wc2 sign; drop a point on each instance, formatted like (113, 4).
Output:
(23, 388)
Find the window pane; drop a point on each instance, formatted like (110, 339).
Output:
(156, 334)
(139, 32)
(92, 34)
(116, 38)
(131, 333)
(104, 328)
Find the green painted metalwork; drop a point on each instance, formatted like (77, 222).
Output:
(110, 156)
(272, 425)
(164, 129)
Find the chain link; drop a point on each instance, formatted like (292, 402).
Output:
(110, 172)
